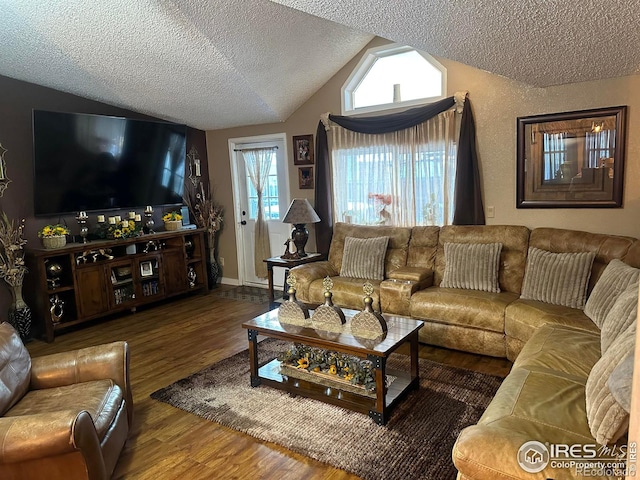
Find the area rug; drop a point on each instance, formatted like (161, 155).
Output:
(416, 443)
(247, 294)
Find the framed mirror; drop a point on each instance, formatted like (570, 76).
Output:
(572, 159)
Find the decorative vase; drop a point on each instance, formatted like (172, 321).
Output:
(20, 313)
(173, 225)
(57, 241)
(214, 271)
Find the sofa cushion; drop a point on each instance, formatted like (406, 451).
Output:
(396, 251)
(470, 308)
(557, 278)
(364, 257)
(15, 367)
(423, 247)
(513, 256)
(620, 381)
(472, 266)
(528, 406)
(561, 350)
(524, 317)
(615, 279)
(101, 398)
(347, 292)
(460, 337)
(608, 420)
(606, 247)
(306, 274)
(623, 313)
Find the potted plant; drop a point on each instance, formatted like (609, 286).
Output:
(53, 236)
(172, 221)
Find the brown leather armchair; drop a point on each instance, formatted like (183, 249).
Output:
(62, 416)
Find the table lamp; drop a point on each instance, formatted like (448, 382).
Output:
(300, 213)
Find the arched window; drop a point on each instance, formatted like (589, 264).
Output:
(393, 76)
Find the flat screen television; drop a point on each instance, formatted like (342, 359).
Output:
(96, 163)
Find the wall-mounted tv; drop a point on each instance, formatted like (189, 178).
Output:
(96, 162)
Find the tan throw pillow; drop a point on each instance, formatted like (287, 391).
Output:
(622, 314)
(615, 279)
(472, 266)
(364, 257)
(620, 382)
(608, 420)
(557, 278)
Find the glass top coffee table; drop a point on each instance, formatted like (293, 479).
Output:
(401, 330)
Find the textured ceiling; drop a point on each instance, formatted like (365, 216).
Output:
(209, 64)
(540, 42)
(221, 63)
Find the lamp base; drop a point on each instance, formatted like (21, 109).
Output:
(300, 235)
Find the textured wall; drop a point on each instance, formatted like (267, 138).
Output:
(497, 102)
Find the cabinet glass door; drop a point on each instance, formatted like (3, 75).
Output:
(122, 286)
(149, 273)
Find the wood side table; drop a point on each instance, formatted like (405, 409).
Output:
(287, 264)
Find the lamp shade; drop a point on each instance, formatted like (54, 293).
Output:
(300, 211)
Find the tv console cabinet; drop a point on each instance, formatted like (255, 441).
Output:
(84, 281)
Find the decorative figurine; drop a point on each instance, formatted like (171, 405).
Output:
(82, 219)
(189, 247)
(54, 271)
(287, 255)
(57, 308)
(328, 316)
(149, 223)
(191, 277)
(368, 320)
(292, 310)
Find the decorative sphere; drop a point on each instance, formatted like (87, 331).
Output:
(54, 269)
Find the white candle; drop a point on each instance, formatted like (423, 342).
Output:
(138, 217)
(112, 220)
(125, 223)
(197, 164)
(149, 209)
(132, 215)
(118, 218)
(100, 218)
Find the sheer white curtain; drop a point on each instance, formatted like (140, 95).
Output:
(402, 178)
(258, 163)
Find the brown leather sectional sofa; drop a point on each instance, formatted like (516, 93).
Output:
(494, 324)
(554, 348)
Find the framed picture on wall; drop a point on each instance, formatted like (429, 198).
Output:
(305, 178)
(303, 150)
(572, 159)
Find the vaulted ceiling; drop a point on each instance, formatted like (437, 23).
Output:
(220, 63)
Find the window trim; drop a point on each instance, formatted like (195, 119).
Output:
(362, 69)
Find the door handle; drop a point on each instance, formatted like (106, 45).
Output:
(243, 222)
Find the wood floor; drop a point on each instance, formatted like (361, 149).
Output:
(174, 339)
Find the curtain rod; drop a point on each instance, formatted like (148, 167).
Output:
(275, 147)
